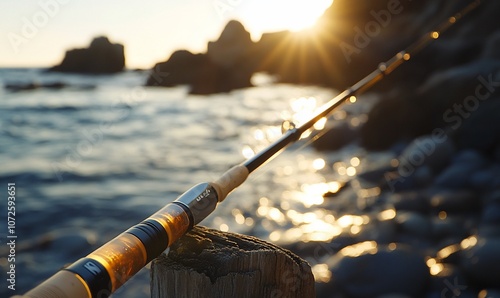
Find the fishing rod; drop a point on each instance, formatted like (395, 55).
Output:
(106, 269)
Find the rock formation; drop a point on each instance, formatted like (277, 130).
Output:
(101, 57)
(225, 66)
(349, 41)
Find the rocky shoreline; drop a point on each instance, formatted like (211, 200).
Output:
(430, 217)
(350, 40)
(429, 228)
(427, 223)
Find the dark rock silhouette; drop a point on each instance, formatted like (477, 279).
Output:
(358, 35)
(405, 273)
(101, 57)
(225, 66)
(16, 87)
(349, 41)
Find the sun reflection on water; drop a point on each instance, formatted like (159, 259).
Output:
(359, 249)
(321, 124)
(387, 214)
(317, 225)
(302, 109)
(247, 152)
(321, 273)
(468, 242)
(305, 210)
(319, 164)
(434, 267)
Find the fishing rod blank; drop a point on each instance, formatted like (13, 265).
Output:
(106, 269)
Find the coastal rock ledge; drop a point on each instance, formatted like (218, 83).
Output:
(226, 65)
(101, 57)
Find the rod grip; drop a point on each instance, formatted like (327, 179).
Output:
(231, 179)
(63, 284)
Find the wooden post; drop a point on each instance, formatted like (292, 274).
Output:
(210, 263)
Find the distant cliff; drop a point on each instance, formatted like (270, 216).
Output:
(101, 57)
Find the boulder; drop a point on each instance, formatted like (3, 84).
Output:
(481, 130)
(409, 201)
(432, 151)
(455, 201)
(231, 47)
(367, 270)
(225, 66)
(183, 67)
(492, 47)
(348, 42)
(444, 103)
(480, 260)
(414, 224)
(101, 57)
(459, 173)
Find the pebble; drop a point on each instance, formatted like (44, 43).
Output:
(457, 175)
(491, 214)
(318, 249)
(366, 270)
(409, 201)
(423, 176)
(414, 223)
(488, 231)
(480, 260)
(492, 197)
(492, 47)
(489, 293)
(481, 131)
(449, 254)
(376, 176)
(455, 200)
(487, 179)
(470, 156)
(453, 228)
(444, 294)
(449, 281)
(429, 151)
(401, 183)
(379, 231)
(497, 153)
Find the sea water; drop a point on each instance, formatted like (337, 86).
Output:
(94, 155)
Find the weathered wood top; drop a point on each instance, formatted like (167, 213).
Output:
(210, 263)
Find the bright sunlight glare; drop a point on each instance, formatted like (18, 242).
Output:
(277, 15)
(303, 14)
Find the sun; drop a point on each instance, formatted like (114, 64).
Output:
(301, 15)
(261, 16)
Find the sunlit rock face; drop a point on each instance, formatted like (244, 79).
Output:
(100, 57)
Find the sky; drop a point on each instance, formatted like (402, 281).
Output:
(36, 33)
